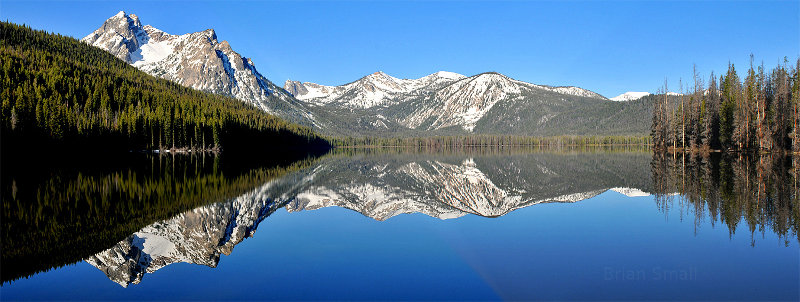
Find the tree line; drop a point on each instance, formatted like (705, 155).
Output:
(759, 113)
(60, 93)
(488, 140)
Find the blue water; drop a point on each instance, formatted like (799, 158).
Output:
(609, 247)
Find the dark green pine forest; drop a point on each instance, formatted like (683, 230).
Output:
(59, 93)
(758, 113)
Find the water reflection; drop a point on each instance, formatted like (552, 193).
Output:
(198, 236)
(381, 186)
(758, 190)
(59, 211)
(163, 210)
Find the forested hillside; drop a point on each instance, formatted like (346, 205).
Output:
(759, 113)
(60, 93)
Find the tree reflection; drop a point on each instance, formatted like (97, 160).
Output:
(760, 191)
(55, 216)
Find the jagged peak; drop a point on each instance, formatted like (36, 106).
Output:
(225, 45)
(379, 75)
(210, 33)
(122, 16)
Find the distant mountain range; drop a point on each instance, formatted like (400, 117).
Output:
(442, 103)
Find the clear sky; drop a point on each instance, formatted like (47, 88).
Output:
(606, 46)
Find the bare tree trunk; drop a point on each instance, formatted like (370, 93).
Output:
(683, 118)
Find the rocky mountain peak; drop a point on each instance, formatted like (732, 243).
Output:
(295, 88)
(212, 35)
(122, 16)
(120, 35)
(195, 60)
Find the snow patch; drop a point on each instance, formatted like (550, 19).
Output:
(153, 245)
(449, 75)
(630, 192)
(151, 52)
(629, 96)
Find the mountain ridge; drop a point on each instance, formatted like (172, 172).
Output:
(440, 104)
(445, 103)
(197, 60)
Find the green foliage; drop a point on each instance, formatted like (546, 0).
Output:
(58, 90)
(758, 114)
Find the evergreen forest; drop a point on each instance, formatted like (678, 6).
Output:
(58, 93)
(759, 113)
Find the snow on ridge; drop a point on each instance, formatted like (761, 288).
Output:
(572, 90)
(569, 90)
(375, 89)
(630, 192)
(448, 75)
(630, 96)
(196, 60)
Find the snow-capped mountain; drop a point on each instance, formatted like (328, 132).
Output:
(442, 103)
(465, 102)
(197, 60)
(376, 89)
(447, 103)
(629, 96)
(380, 88)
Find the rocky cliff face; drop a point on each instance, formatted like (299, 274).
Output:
(197, 60)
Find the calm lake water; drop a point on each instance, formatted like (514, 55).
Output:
(402, 225)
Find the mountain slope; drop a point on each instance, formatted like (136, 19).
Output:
(197, 60)
(373, 90)
(445, 103)
(66, 95)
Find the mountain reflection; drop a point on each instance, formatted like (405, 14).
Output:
(59, 211)
(171, 211)
(197, 236)
(379, 186)
(448, 186)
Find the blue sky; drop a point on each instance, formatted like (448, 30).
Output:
(608, 47)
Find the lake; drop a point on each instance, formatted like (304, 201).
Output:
(398, 224)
